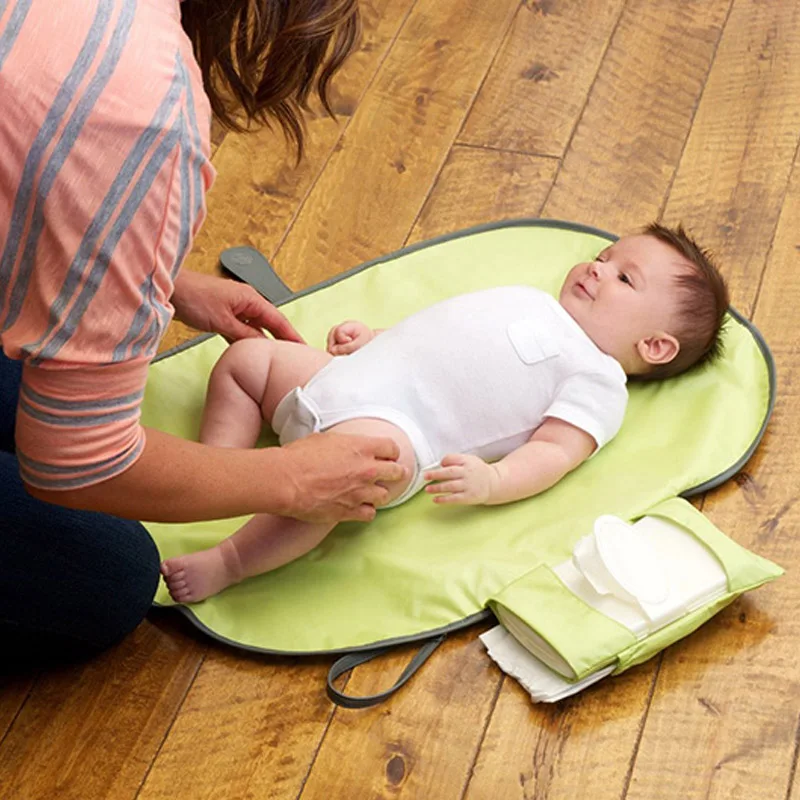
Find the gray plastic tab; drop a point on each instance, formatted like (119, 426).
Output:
(252, 267)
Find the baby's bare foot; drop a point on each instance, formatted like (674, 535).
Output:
(194, 577)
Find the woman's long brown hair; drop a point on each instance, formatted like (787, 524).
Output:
(265, 57)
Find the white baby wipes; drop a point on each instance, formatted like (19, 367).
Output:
(644, 576)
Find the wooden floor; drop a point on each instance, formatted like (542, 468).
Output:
(455, 112)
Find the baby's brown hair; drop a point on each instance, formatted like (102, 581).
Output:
(702, 304)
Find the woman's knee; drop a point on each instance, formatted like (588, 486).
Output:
(75, 582)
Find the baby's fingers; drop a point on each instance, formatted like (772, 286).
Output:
(446, 487)
(343, 335)
(443, 474)
(342, 349)
(459, 498)
(454, 460)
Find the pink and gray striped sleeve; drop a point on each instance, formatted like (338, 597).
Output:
(104, 132)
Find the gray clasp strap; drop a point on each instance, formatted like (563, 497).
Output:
(346, 663)
(252, 267)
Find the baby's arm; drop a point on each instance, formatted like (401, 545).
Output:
(555, 449)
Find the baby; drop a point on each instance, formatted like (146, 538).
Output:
(491, 396)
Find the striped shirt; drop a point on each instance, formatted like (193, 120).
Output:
(104, 166)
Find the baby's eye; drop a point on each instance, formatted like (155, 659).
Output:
(625, 278)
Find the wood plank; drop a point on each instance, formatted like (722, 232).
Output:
(580, 747)
(92, 730)
(249, 728)
(559, 758)
(14, 691)
(736, 166)
(421, 743)
(377, 179)
(627, 145)
(218, 134)
(537, 88)
(258, 188)
(733, 690)
(478, 186)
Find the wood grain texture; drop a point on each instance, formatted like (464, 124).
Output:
(376, 181)
(538, 85)
(733, 688)
(580, 747)
(641, 50)
(14, 691)
(628, 143)
(259, 189)
(421, 743)
(92, 731)
(478, 186)
(739, 709)
(734, 172)
(249, 728)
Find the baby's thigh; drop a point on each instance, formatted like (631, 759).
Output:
(368, 426)
(292, 365)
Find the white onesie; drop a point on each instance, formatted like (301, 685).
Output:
(477, 373)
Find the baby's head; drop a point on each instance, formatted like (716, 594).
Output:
(654, 301)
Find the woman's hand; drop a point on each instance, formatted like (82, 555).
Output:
(230, 308)
(334, 477)
(347, 337)
(462, 480)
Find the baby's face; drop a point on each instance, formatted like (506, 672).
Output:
(625, 295)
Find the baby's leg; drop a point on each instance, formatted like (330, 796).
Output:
(268, 541)
(248, 382)
(265, 543)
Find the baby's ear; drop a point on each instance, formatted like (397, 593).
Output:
(660, 348)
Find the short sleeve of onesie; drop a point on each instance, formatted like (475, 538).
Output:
(595, 402)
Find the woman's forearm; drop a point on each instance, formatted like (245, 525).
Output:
(175, 480)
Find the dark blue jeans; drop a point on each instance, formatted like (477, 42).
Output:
(72, 583)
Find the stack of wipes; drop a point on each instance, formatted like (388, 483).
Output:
(643, 576)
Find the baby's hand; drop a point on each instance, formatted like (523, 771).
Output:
(347, 337)
(466, 480)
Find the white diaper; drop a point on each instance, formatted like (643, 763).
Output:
(299, 414)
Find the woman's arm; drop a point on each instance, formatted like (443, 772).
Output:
(322, 478)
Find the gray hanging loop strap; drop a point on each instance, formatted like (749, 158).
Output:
(252, 267)
(346, 663)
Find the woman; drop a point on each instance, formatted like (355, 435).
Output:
(104, 166)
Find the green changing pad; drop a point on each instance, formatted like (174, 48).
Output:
(421, 570)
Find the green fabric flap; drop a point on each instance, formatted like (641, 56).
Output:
(420, 568)
(586, 639)
(646, 648)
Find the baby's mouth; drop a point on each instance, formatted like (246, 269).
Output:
(583, 291)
